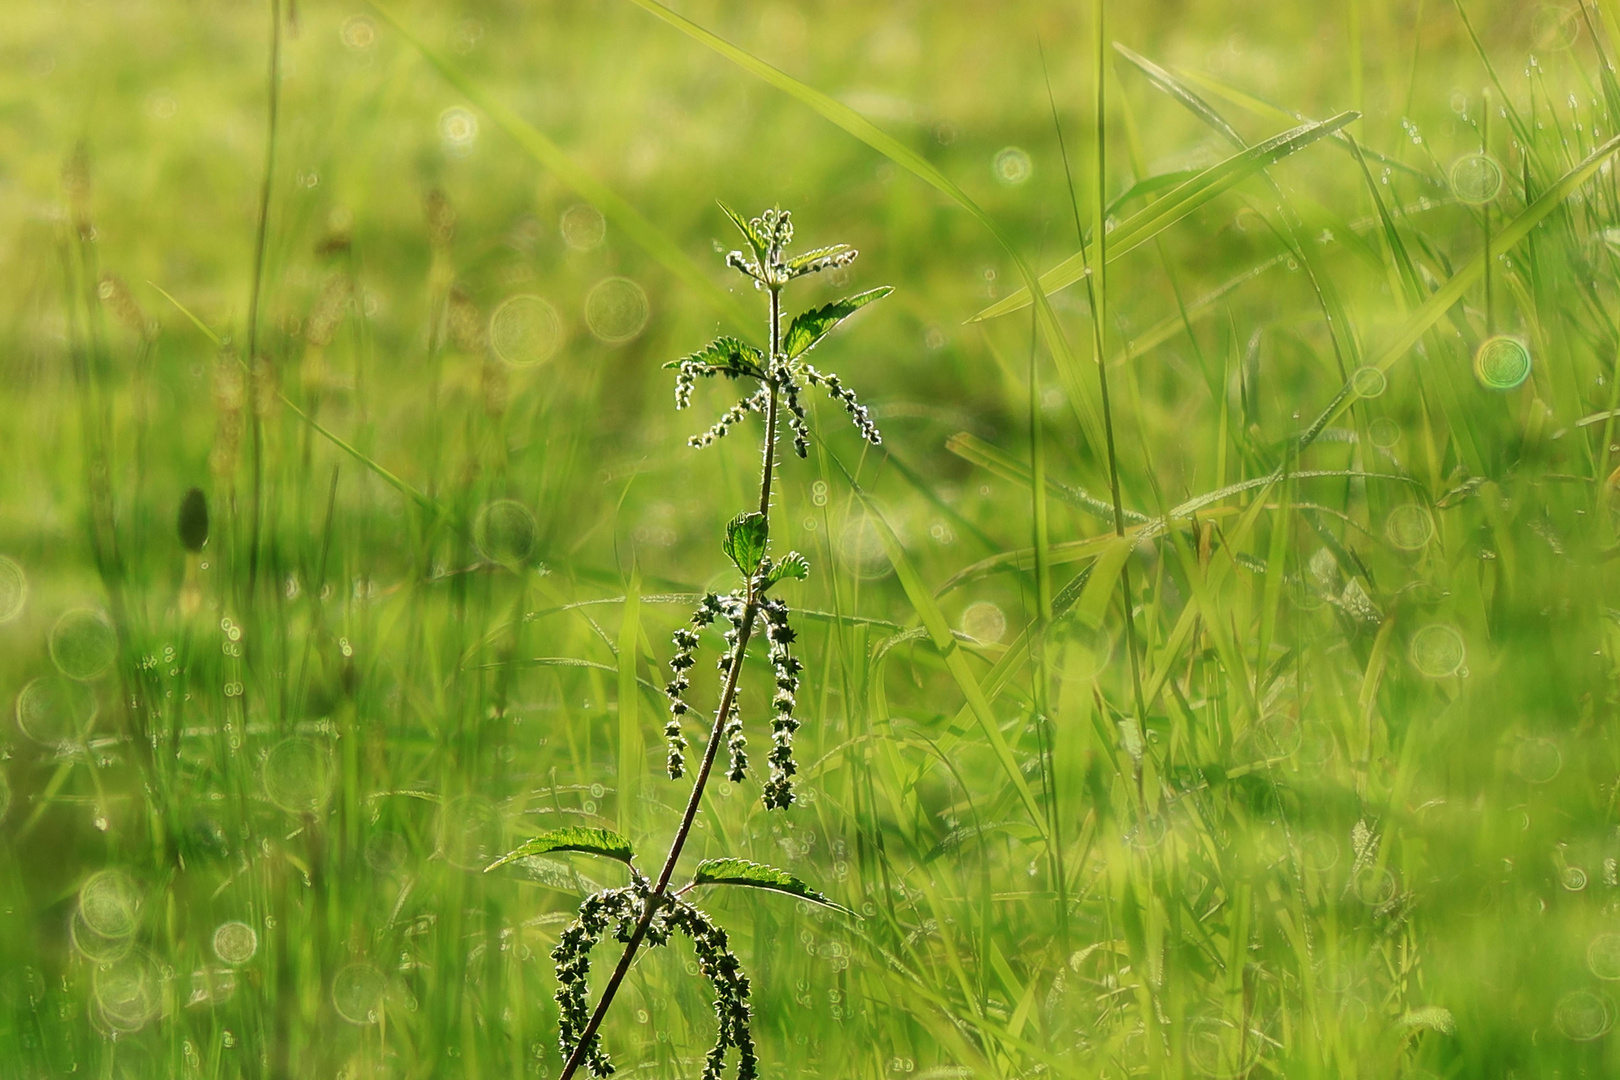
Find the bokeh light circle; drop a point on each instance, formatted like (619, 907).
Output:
(1501, 362)
(1409, 527)
(616, 310)
(1603, 956)
(583, 227)
(54, 711)
(298, 775)
(1437, 650)
(357, 993)
(235, 942)
(83, 644)
(1583, 1015)
(506, 532)
(1476, 179)
(525, 330)
(1012, 166)
(128, 991)
(13, 588)
(1368, 382)
(984, 621)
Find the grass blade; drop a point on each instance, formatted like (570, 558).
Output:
(1148, 222)
(651, 239)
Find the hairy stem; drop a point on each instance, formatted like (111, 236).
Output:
(728, 697)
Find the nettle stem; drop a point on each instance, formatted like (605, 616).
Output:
(728, 697)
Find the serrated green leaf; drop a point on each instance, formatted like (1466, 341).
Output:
(793, 565)
(755, 240)
(811, 326)
(728, 356)
(573, 838)
(759, 876)
(801, 264)
(745, 540)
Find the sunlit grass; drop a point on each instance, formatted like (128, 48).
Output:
(1364, 409)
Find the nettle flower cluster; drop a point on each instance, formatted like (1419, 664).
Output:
(647, 912)
(733, 608)
(785, 369)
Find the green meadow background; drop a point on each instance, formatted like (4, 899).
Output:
(1313, 774)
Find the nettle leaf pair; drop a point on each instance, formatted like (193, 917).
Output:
(643, 911)
(785, 370)
(625, 907)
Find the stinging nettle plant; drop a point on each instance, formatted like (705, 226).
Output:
(646, 912)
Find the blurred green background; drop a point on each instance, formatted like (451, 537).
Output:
(1351, 812)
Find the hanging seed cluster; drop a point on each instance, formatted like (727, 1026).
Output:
(623, 909)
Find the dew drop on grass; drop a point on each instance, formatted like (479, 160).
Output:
(1368, 382)
(525, 330)
(616, 310)
(235, 942)
(1437, 650)
(1583, 1015)
(984, 621)
(469, 832)
(1572, 878)
(1409, 527)
(128, 991)
(1476, 179)
(357, 993)
(1603, 956)
(83, 644)
(1384, 433)
(298, 775)
(583, 227)
(52, 710)
(1012, 166)
(13, 589)
(506, 532)
(1501, 362)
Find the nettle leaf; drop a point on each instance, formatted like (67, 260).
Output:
(759, 876)
(821, 259)
(811, 326)
(756, 240)
(573, 838)
(745, 540)
(793, 565)
(727, 356)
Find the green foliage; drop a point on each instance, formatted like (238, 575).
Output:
(792, 565)
(746, 537)
(808, 328)
(603, 842)
(754, 875)
(725, 356)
